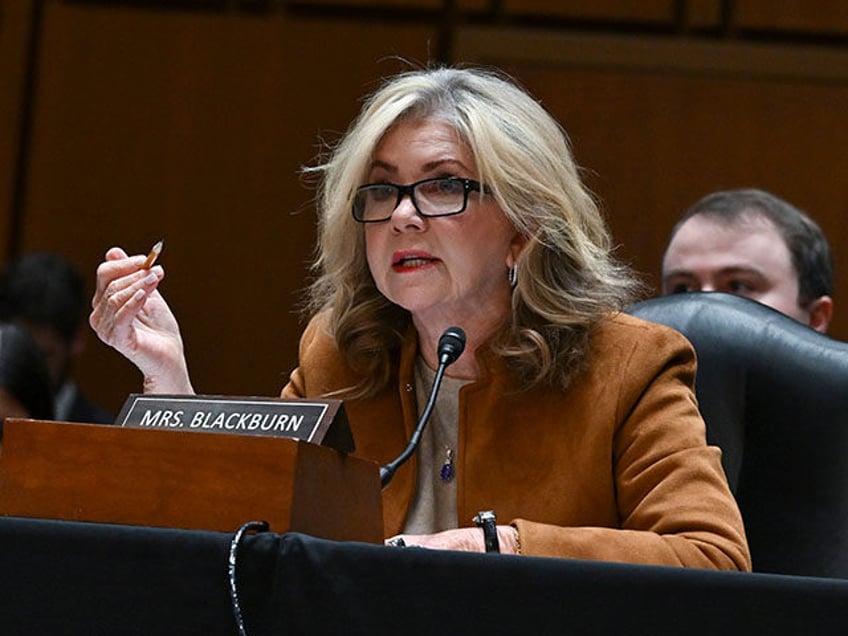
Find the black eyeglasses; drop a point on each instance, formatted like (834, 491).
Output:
(441, 196)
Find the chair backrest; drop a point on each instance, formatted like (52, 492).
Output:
(774, 395)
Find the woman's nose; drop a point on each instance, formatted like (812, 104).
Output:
(405, 216)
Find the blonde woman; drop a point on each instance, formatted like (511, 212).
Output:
(454, 199)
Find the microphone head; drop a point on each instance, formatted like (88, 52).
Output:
(451, 345)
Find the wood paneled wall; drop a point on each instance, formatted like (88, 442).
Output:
(189, 121)
(658, 124)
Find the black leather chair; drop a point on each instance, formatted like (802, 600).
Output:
(774, 395)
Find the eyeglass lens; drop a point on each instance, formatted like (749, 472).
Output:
(433, 197)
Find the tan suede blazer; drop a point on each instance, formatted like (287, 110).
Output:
(616, 468)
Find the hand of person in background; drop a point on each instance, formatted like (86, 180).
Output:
(130, 315)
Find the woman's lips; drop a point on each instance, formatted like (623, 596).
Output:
(409, 261)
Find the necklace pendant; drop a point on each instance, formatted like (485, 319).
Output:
(447, 471)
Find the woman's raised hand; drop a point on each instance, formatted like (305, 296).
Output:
(129, 314)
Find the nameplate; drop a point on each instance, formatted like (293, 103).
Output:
(316, 421)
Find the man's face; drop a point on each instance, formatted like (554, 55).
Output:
(747, 257)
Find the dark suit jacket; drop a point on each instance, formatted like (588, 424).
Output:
(85, 411)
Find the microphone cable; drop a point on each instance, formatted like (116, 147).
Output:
(451, 346)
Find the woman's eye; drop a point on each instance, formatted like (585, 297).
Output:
(381, 193)
(449, 186)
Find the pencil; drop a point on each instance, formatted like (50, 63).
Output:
(154, 254)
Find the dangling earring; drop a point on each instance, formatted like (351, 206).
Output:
(512, 275)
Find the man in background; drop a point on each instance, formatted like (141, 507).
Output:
(45, 294)
(751, 243)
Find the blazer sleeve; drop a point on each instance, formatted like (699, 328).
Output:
(674, 504)
(320, 371)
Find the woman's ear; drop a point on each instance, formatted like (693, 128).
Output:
(516, 246)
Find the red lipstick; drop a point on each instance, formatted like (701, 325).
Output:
(410, 260)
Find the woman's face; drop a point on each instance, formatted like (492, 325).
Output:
(441, 269)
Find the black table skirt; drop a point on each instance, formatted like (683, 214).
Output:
(82, 578)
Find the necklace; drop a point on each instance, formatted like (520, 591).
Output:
(446, 473)
(442, 431)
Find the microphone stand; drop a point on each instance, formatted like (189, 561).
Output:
(451, 345)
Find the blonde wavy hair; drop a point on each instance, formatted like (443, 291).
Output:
(568, 279)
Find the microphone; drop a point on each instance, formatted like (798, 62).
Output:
(451, 346)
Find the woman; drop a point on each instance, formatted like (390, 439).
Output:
(25, 389)
(454, 200)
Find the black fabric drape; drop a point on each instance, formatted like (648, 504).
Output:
(80, 578)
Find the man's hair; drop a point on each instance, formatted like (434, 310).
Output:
(44, 289)
(804, 239)
(23, 372)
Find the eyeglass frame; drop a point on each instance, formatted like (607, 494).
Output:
(468, 185)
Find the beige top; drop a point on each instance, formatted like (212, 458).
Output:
(434, 507)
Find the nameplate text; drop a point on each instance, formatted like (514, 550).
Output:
(303, 419)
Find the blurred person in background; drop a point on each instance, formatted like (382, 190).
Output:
(45, 294)
(25, 389)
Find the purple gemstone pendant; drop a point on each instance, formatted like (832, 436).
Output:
(446, 473)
